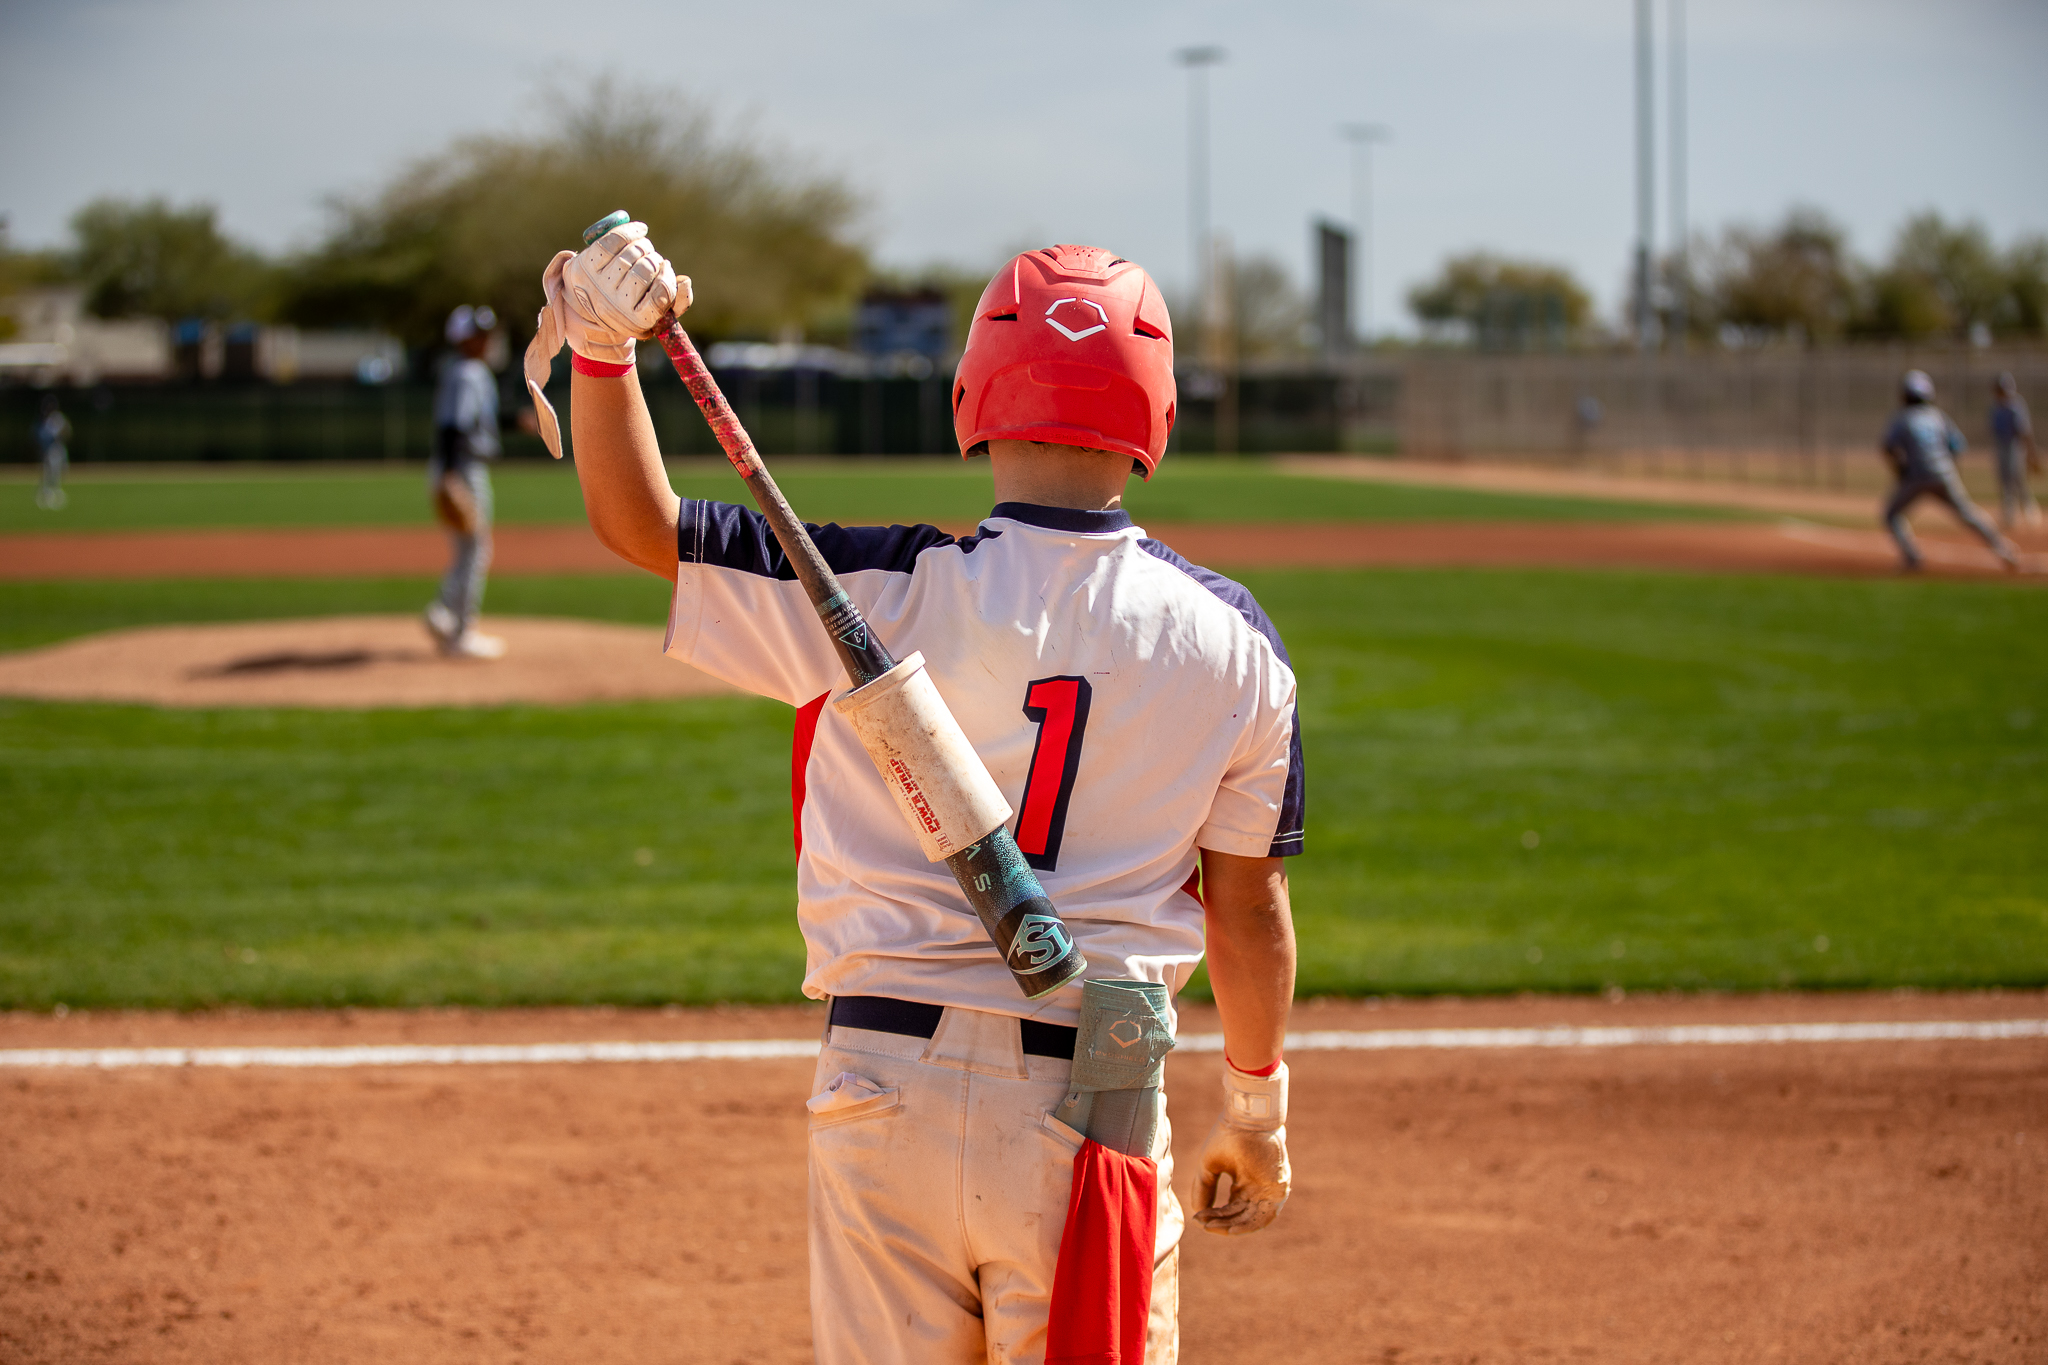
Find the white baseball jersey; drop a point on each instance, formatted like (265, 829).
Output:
(1131, 706)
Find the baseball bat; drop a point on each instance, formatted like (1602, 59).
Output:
(1000, 886)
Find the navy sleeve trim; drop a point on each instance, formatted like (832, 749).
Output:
(730, 537)
(1288, 833)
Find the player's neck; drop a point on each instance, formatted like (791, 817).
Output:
(1058, 476)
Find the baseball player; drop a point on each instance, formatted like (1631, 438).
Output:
(1921, 443)
(1137, 712)
(53, 436)
(2012, 434)
(459, 482)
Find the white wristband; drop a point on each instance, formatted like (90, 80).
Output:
(1255, 1103)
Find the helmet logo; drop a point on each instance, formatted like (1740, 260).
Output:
(1068, 332)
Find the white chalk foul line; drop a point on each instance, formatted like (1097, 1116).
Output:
(761, 1049)
(407, 1054)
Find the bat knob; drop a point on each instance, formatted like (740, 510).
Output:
(616, 218)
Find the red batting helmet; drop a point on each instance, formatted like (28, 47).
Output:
(1070, 345)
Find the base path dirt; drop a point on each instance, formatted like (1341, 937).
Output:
(1851, 1202)
(1747, 547)
(353, 662)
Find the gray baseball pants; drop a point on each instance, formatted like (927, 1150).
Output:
(462, 587)
(2015, 498)
(1947, 488)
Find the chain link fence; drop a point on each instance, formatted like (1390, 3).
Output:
(1809, 418)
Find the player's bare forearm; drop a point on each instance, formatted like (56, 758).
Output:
(626, 492)
(1250, 932)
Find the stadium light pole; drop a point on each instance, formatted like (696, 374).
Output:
(1646, 171)
(1680, 246)
(1362, 136)
(1198, 60)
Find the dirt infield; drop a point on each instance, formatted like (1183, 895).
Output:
(352, 662)
(1858, 1202)
(1744, 547)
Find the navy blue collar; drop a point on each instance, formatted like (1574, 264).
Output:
(1064, 518)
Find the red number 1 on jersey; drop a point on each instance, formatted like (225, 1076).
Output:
(1060, 706)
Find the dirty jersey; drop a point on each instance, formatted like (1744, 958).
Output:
(1132, 707)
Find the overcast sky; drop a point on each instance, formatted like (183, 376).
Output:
(976, 128)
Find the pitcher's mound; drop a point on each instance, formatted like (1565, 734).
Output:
(351, 662)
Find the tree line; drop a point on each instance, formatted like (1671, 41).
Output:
(1796, 282)
(770, 241)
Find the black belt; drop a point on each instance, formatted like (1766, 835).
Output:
(919, 1020)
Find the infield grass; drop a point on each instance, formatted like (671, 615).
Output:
(853, 492)
(1551, 781)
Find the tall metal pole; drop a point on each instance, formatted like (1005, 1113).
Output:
(1362, 136)
(1646, 171)
(1198, 60)
(1681, 255)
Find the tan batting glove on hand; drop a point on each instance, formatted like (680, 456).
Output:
(1248, 1144)
(599, 300)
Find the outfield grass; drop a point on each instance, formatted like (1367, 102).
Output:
(845, 491)
(1720, 774)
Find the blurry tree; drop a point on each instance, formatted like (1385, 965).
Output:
(1941, 279)
(1502, 305)
(767, 246)
(1796, 280)
(2026, 272)
(1271, 312)
(20, 270)
(150, 259)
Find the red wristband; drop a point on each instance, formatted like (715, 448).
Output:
(1262, 1071)
(598, 369)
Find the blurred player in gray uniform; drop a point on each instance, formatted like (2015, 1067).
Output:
(459, 481)
(1921, 444)
(53, 433)
(2012, 436)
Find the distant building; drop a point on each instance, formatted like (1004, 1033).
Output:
(56, 341)
(1333, 288)
(899, 324)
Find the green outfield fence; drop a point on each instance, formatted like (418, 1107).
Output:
(787, 412)
(1776, 415)
(227, 421)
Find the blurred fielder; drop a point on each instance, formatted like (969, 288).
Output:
(53, 435)
(2012, 436)
(1137, 713)
(1921, 443)
(459, 481)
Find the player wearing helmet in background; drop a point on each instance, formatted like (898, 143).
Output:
(459, 482)
(1921, 443)
(2012, 436)
(1138, 713)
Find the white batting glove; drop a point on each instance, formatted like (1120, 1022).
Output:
(612, 291)
(1248, 1144)
(599, 300)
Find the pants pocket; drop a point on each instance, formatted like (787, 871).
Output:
(850, 1096)
(1065, 1135)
